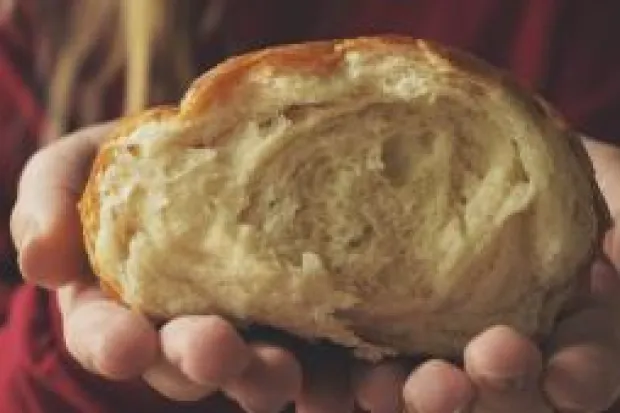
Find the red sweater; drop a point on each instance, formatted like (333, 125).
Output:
(565, 49)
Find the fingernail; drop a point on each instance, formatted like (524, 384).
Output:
(29, 231)
(25, 251)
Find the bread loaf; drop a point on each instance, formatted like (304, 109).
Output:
(386, 194)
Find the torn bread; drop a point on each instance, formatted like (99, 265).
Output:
(386, 194)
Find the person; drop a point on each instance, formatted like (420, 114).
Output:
(65, 347)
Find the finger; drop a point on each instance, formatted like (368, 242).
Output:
(437, 387)
(206, 349)
(200, 353)
(583, 374)
(379, 388)
(44, 223)
(171, 383)
(505, 367)
(272, 380)
(105, 337)
(326, 387)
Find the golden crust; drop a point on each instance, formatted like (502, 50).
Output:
(88, 206)
(218, 84)
(320, 58)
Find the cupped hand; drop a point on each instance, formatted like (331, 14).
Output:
(576, 370)
(187, 358)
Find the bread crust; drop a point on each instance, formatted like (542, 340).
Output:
(88, 207)
(218, 88)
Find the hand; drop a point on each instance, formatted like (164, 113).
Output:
(191, 357)
(186, 359)
(578, 370)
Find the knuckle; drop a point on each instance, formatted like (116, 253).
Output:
(111, 360)
(123, 356)
(206, 348)
(29, 257)
(172, 385)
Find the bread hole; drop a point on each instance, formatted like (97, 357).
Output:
(519, 170)
(208, 142)
(131, 228)
(396, 159)
(297, 112)
(133, 149)
(360, 239)
(266, 124)
(197, 145)
(471, 155)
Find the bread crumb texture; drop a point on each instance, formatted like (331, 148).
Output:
(386, 194)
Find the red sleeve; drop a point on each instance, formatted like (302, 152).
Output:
(584, 67)
(20, 115)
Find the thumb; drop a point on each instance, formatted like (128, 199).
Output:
(45, 224)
